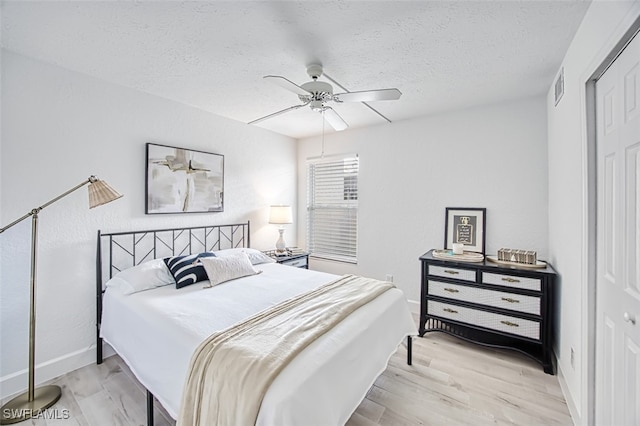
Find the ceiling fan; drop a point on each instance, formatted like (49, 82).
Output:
(317, 94)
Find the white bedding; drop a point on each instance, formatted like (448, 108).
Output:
(156, 331)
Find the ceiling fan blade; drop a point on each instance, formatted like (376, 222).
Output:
(369, 96)
(287, 84)
(257, 120)
(334, 119)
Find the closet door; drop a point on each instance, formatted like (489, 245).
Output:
(618, 241)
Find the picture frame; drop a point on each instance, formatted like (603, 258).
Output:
(180, 180)
(466, 225)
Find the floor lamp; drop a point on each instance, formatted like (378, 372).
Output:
(34, 401)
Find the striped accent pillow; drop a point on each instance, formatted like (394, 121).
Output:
(185, 270)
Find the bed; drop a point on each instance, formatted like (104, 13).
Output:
(156, 331)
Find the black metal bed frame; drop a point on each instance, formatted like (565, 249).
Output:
(127, 249)
(135, 247)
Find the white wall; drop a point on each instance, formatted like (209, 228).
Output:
(493, 157)
(59, 127)
(602, 27)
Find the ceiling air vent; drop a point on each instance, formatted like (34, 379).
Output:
(559, 86)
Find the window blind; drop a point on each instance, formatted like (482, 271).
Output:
(332, 208)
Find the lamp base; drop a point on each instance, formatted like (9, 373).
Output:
(20, 408)
(281, 246)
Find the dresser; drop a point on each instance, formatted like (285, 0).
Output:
(490, 304)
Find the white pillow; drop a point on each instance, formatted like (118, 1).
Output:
(227, 268)
(145, 276)
(255, 256)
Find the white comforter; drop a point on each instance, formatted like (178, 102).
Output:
(156, 331)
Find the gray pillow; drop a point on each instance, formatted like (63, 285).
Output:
(227, 268)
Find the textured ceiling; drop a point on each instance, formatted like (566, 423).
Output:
(442, 55)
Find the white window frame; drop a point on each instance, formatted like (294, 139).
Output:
(332, 207)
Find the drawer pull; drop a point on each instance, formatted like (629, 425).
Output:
(511, 280)
(510, 300)
(510, 324)
(450, 310)
(451, 290)
(449, 271)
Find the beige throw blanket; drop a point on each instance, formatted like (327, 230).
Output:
(231, 370)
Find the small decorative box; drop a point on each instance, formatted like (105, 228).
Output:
(529, 257)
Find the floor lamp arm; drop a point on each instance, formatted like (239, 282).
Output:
(17, 221)
(91, 179)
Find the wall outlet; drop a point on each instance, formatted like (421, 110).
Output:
(389, 278)
(573, 359)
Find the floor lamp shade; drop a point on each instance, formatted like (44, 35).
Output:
(101, 193)
(281, 215)
(32, 402)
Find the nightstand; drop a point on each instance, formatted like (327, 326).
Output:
(300, 260)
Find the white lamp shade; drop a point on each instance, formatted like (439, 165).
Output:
(280, 215)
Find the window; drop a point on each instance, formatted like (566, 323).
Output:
(332, 208)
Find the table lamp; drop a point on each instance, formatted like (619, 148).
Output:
(281, 215)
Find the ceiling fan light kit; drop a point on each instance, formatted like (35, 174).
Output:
(317, 93)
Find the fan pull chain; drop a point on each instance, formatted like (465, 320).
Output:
(322, 153)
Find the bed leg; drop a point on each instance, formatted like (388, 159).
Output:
(409, 355)
(99, 350)
(149, 408)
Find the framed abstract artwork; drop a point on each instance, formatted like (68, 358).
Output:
(465, 225)
(183, 180)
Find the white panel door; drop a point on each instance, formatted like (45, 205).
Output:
(618, 241)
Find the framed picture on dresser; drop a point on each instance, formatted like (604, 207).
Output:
(180, 180)
(465, 225)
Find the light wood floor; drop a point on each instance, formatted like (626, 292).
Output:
(450, 382)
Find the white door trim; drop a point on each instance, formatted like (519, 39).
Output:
(601, 62)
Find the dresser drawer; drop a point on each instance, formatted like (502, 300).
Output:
(498, 299)
(300, 262)
(456, 273)
(490, 320)
(512, 281)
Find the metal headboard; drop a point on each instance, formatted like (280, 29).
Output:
(124, 250)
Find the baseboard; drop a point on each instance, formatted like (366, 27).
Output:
(17, 382)
(414, 306)
(575, 416)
